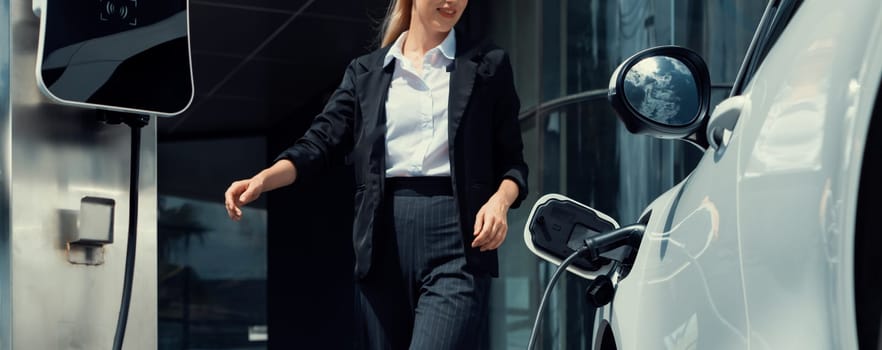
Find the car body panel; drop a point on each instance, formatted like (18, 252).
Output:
(688, 256)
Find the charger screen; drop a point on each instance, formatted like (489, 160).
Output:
(119, 53)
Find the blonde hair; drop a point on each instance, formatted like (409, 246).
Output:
(396, 22)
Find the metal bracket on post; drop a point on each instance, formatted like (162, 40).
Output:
(87, 231)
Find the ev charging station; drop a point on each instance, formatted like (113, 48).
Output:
(75, 189)
(581, 240)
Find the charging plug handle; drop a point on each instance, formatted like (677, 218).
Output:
(630, 235)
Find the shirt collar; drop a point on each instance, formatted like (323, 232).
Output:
(447, 47)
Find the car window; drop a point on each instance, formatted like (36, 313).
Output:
(774, 21)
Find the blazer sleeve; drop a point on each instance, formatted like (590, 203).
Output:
(330, 131)
(509, 160)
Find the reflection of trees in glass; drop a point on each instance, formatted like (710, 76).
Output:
(663, 89)
(176, 224)
(198, 309)
(179, 285)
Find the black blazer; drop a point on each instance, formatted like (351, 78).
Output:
(484, 132)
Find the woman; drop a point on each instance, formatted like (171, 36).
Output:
(430, 124)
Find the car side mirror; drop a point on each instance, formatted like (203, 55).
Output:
(663, 92)
(558, 226)
(120, 55)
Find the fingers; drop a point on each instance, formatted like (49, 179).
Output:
(501, 232)
(479, 223)
(495, 236)
(229, 202)
(490, 231)
(249, 195)
(481, 230)
(232, 199)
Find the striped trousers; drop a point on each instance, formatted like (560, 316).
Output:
(420, 293)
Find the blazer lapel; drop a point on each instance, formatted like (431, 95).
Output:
(462, 78)
(373, 90)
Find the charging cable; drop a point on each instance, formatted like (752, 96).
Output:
(551, 283)
(593, 247)
(136, 122)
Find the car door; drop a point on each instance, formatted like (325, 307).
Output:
(792, 146)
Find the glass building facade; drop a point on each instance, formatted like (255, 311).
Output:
(221, 286)
(212, 273)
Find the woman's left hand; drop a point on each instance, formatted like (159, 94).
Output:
(491, 224)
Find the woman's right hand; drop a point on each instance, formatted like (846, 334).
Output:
(240, 193)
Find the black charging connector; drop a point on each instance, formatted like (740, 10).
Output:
(604, 242)
(593, 246)
(136, 122)
(133, 120)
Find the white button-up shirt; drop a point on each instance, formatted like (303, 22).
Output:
(416, 112)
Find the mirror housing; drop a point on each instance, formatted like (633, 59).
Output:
(677, 106)
(119, 55)
(558, 226)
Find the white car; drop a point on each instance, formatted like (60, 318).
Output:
(769, 243)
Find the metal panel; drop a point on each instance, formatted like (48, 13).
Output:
(58, 155)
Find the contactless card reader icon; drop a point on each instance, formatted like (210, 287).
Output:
(124, 11)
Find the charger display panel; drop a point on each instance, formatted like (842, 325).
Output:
(128, 55)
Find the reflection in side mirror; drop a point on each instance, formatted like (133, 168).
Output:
(662, 92)
(128, 56)
(558, 226)
(662, 89)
